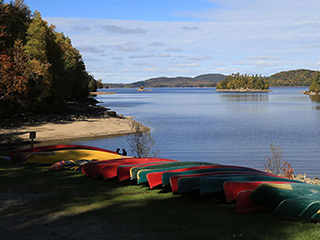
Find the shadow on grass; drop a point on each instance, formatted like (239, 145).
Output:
(130, 210)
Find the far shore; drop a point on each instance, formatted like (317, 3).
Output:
(96, 93)
(243, 90)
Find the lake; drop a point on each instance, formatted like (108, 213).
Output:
(200, 124)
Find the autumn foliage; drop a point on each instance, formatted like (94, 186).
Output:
(39, 68)
(276, 165)
(238, 81)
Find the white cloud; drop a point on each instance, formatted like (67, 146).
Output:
(192, 64)
(89, 49)
(128, 47)
(251, 36)
(122, 30)
(156, 44)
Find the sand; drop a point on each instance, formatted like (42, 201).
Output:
(75, 130)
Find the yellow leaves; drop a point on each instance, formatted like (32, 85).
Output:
(38, 68)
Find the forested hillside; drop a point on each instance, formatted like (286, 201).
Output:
(205, 80)
(39, 67)
(301, 77)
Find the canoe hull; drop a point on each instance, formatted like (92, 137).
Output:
(52, 157)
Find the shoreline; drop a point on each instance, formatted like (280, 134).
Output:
(243, 90)
(311, 93)
(83, 121)
(94, 128)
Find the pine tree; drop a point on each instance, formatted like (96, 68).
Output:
(315, 84)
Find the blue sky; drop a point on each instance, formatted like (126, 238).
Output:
(124, 41)
(152, 10)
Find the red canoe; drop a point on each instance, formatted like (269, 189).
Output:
(86, 169)
(155, 179)
(232, 188)
(246, 205)
(97, 169)
(110, 171)
(123, 171)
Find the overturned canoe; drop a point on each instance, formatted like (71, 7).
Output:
(142, 174)
(123, 171)
(134, 171)
(50, 157)
(22, 155)
(246, 205)
(111, 171)
(304, 208)
(206, 171)
(215, 184)
(87, 168)
(157, 178)
(98, 170)
(274, 194)
(232, 188)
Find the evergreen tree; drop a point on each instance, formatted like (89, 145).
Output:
(315, 84)
(237, 81)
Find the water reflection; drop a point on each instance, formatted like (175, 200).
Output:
(315, 98)
(244, 98)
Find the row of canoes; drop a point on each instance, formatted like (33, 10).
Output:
(251, 189)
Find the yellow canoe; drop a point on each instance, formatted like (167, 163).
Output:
(71, 154)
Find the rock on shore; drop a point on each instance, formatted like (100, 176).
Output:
(311, 93)
(243, 90)
(304, 178)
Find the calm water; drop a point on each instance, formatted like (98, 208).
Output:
(228, 128)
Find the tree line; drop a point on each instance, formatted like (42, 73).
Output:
(39, 68)
(239, 81)
(293, 78)
(315, 84)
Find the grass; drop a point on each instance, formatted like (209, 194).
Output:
(69, 195)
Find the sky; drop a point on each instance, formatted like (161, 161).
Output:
(123, 41)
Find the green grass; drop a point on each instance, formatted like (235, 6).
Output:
(71, 195)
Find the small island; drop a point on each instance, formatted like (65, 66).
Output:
(142, 89)
(243, 84)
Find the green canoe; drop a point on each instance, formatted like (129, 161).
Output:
(142, 174)
(303, 208)
(274, 194)
(134, 171)
(189, 184)
(166, 176)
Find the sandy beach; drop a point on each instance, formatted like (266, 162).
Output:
(91, 128)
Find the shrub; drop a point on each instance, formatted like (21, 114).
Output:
(275, 163)
(141, 142)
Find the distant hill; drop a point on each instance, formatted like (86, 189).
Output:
(300, 77)
(292, 78)
(205, 80)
